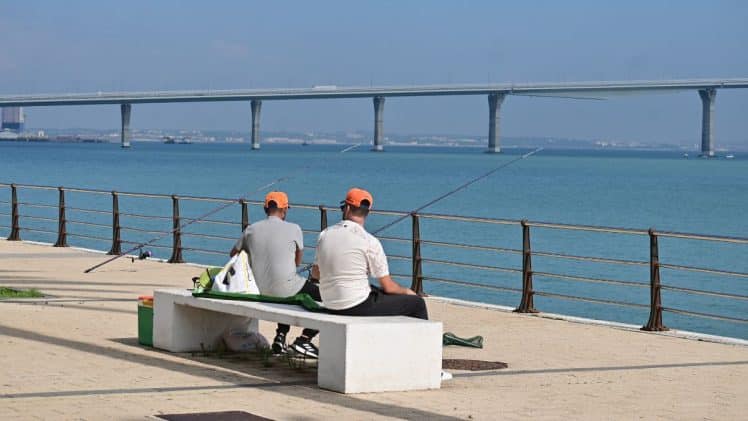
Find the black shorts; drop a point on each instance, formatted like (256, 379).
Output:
(380, 304)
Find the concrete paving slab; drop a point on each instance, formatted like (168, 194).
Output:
(77, 357)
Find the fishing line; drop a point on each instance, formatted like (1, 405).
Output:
(214, 211)
(445, 195)
(457, 189)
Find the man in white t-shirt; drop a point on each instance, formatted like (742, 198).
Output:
(275, 247)
(347, 255)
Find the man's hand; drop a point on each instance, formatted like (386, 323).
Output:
(391, 287)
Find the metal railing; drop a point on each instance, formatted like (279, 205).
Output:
(422, 268)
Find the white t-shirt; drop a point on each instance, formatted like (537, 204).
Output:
(346, 256)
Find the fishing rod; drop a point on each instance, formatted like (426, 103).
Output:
(457, 189)
(445, 195)
(214, 211)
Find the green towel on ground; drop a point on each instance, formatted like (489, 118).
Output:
(304, 300)
(450, 338)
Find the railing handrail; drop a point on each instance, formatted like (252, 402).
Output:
(503, 221)
(527, 290)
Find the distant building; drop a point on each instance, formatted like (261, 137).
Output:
(13, 119)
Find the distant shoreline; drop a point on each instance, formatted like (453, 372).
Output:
(343, 138)
(679, 149)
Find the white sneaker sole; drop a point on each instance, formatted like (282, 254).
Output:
(301, 351)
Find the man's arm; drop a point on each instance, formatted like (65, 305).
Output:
(315, 272)
(378, 268)
(238, 246)
(391, 287)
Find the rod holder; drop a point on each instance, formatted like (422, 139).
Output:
(526, 305)
(62, 235)
(655, 303)
(15, 229)
(116, 231)
(245, 214)
(176, 246)
(417, 272)
(322, 218)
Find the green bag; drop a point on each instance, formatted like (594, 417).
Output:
(204, 282)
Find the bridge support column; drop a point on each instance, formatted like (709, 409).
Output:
(494, 107)
(378, 119)
(707, 121)
(256, 107)
(125, 135)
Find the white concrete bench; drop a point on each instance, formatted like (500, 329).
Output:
(356, 354)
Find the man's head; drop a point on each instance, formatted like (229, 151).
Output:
(356, 205)
(276, 204)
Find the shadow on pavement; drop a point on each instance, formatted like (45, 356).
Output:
(239, 376)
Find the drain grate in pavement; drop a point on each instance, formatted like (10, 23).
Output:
(205, 416)
(472, 365)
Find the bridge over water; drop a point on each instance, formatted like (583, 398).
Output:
(496, 93)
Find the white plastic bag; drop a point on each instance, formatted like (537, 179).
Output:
(238, 340)
(236, 276)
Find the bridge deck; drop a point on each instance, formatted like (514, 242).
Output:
(595, 89)
(76, 356)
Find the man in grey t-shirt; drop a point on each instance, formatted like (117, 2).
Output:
(275, 247)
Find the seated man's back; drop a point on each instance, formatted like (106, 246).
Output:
(272, 245)
(347, 255)
(275, 247)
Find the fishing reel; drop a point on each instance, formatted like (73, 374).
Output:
(142, 255)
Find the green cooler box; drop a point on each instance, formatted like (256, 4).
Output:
(145, 320)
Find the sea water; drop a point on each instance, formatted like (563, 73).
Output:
(633, 189)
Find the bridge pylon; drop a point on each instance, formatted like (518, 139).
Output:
(378, 145)
(495, 99)
(125, 110)
(256, 107)
(707, 121)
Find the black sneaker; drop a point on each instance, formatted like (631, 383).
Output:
(305, 347)
(279, 344)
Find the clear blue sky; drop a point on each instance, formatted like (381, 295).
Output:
(80, 46)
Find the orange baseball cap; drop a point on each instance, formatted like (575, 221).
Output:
(358, 198)
(280, 199)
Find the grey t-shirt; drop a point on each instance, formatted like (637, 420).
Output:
(271, 245)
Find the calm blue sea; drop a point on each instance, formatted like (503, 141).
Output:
(636, 189)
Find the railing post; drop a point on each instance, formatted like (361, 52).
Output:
(14, 228)
(176, 247)
(655, 302)
(62, 235)
(322, 218)
(245, 214)
(116, 239)
(417, 281)
(526, 305)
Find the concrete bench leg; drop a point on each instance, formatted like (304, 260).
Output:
(181, 328)
(378, 357)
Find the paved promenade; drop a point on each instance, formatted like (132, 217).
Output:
(74, 355)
